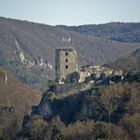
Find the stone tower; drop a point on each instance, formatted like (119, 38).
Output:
(65, 63)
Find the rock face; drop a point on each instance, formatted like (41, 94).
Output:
(66, 107)
(27, 59)
(65, 102)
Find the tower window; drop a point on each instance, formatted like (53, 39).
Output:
(66, 66)
(55, 66)
(66, 53)
(66, 60)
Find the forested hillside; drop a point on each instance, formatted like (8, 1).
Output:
(109, 113)
(28, 49)
(118, 31)
(130, 63)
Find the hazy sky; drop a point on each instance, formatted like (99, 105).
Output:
(72, 12)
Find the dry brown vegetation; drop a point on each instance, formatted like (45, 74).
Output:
(17, 95)
(113, 114)
(38, 129)
(118, 31)
(129, 63)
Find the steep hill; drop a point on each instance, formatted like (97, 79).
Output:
(28, 49)
(16, 97)
(122, 32)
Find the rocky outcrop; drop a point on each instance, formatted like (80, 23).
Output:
(28, 60)
(62, 103)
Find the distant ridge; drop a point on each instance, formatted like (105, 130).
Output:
(117, 31)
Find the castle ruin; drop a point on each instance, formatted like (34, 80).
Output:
(65, 63)
(67, 70)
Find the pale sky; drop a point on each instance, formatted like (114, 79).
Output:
(72, 12)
